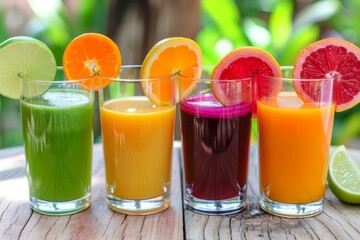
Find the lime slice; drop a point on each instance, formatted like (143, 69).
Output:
(28, 57)
(344, 176)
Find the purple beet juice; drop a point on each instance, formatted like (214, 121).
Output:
(215, 147)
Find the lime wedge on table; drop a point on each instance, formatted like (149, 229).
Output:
(344, 176)
(28, 57)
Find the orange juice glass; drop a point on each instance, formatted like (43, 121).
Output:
(137, 137)
(294, 144)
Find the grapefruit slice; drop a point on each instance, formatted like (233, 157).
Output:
(330, 58)
(167, 58)
(92, 55)
(241, 63)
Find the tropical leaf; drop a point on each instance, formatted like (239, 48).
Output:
(280, 24)
(257, 32)
(298, 42)
(91, 15)
(207, 38)
(348, 129)
(316, 12)
(2, 25)
(226, 16)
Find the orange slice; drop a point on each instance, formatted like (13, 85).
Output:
(167, 58)
(330, 58)
(241, 63)
(92, 54)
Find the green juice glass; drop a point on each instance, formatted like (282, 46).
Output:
(57, 122)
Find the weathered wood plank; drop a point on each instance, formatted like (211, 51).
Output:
(338, 221)
(18, 221)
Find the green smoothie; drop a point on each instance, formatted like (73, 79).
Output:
(58, 136)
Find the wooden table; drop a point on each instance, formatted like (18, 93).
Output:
(18, 221)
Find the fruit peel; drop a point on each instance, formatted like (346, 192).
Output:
(342, 193)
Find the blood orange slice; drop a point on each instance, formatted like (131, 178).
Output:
(330, 58)
(243, 62)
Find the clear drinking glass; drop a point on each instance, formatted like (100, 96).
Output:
(215, 141)
(295, 121)
(57, 123)
(137, 135)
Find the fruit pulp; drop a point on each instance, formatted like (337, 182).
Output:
(137, 140)
(294, 143)
(215, 147)
(344, 176)
(58, 136)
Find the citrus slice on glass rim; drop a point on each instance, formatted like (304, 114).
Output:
(241, 63)
(92, 54)
(26, 57)
(330, 58)
(166, 58)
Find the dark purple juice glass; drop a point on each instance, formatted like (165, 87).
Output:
(215, 141)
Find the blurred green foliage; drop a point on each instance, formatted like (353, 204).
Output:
(282, 27)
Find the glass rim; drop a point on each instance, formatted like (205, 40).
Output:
(209, 79)
(282, 68)
(54, 81)
(135, 79)
(291, 79)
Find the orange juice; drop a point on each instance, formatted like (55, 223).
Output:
(137, 139)
(294, 143)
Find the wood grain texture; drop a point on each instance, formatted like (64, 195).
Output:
(18, 221)
(338, 221)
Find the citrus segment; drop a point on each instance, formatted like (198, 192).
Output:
(243, 62)
(330, 58)
(344, 176)
(166, 58)
(26, 57)
(92, 54)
